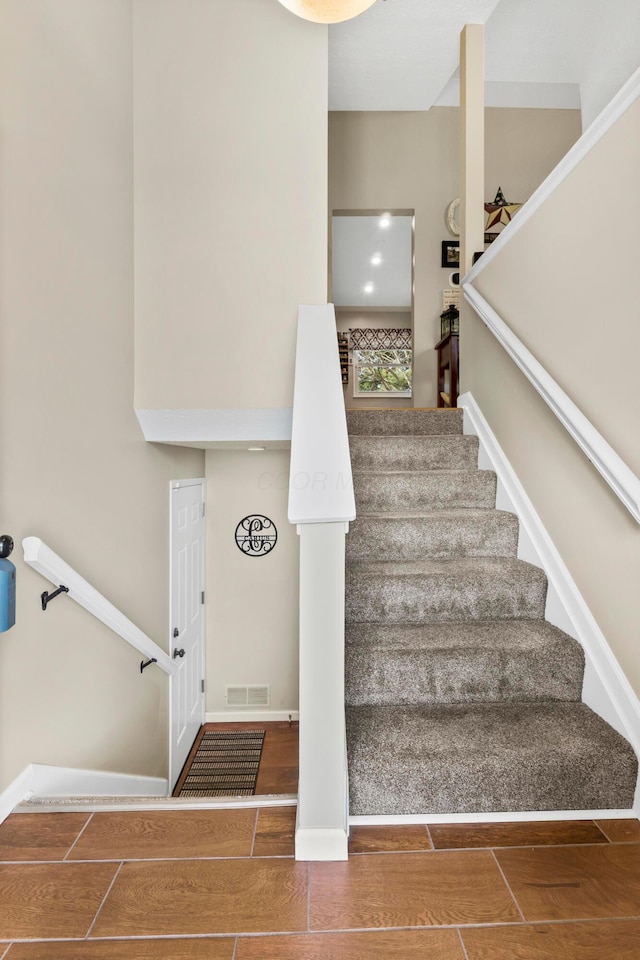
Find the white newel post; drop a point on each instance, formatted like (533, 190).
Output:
(321, 504)
(321, 827)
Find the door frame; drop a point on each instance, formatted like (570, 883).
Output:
(175, 485)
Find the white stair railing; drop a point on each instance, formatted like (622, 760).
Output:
(321, 504)
(43, 559)
(616, 473)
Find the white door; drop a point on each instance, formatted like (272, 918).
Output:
(187, 619)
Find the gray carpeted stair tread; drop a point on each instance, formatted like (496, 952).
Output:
(472, 662)
(413, 453)
(409, 421)
(402, 490)
(427, 591)
(486, 758)
(411, 535)
(461, 697)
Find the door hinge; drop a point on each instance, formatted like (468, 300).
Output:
(202, 597)
(202, 686)
(204, 509)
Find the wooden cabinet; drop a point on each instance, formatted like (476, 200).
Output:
(447, 351)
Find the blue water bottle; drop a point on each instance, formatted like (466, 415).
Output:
(7, 585)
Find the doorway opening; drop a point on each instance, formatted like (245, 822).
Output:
(372, 289)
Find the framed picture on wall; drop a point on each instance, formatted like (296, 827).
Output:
(450, 253)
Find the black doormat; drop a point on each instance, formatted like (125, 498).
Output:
(225, 765)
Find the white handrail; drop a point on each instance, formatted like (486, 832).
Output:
(622, 480)
(624, 483)
(43, 559)
(320, 484)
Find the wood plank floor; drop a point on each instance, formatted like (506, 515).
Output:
(223, 885)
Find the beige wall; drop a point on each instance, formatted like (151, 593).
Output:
(231, 198)
(252, 613)
(568, 285)
(410, 160)
(74, 469)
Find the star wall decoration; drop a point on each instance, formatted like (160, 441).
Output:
(500, 210)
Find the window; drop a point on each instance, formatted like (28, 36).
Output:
(382, 371)
(382, 362)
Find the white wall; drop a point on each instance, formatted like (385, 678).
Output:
(252, 608)
(410, 161)
(75, 470)
(231, 199)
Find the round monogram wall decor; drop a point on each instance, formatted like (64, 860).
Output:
(256, 535)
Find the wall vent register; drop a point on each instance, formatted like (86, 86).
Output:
(249, 696)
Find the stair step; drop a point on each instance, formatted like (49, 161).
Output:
(408, 422)
(444, 591)
(445, 663)
(431, 489)
(413, 535)
(413, 453)
(489, 758)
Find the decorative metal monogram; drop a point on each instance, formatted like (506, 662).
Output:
(256, 535)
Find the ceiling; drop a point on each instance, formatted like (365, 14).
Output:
(372, 261)
(404, 54)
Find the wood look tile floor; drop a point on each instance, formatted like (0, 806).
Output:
(224, 885)
(278, 771)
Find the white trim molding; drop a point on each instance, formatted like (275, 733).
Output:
(18, 790)
(203, 428)
(509, 816)
(606, 689)
(43, 559)
(622, 480)
(51, 781)
(319, 844)
(252, 716)
(44, 780)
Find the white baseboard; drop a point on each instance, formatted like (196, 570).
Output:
(251, 716)
(319, 844)
(19, 789)
(533, 816)
(606, 689)
(49, 781)
(43, 780)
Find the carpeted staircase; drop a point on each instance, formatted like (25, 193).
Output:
(460, 697)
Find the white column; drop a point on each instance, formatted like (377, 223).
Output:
(322, 824)
(472, 217)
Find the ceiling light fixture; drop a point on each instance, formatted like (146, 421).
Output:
(385, 221)
(368, 288)
(327, 11)
(376, 259)
(255, 449)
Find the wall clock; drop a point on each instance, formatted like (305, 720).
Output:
(451, 217)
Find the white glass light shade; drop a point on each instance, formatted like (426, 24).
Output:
(327, 11)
